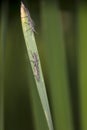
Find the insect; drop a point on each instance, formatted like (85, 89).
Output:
(30, 21)
(36, 65)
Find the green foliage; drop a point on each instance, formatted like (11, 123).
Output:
(56, 59)
(3, 36)
(82, 62)
(61, 42)
(28, 31)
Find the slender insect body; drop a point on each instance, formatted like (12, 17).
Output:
(36, 66)
(30, 21)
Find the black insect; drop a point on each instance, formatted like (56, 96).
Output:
(36, 66)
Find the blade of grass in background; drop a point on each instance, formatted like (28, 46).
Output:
(57, 69)
(82, 61)
(28, 29)
(69, 19)
(4, 20)
(17, 104)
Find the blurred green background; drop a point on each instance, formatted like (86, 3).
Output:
(61, 39)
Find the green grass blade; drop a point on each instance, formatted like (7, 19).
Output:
(82, 61)
(57, 69)
(4, 19)
(28, 29)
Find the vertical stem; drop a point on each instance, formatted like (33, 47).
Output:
(82, 61)
(4, 17)
(56, 62)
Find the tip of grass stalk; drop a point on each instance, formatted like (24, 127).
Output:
(22, 10)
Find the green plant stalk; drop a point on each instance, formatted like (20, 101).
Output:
(82, 61)
(4, 20)
(28, 31)
(56, 63)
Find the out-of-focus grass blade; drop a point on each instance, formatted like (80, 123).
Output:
(28, 31)
(57, 69)
(70, 32)
(4, 19)
(82, 61)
